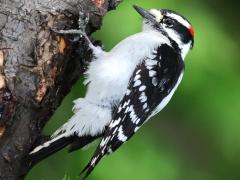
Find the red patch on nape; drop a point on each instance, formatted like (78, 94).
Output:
(191, 30)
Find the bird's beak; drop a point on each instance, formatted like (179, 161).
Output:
(145, 14)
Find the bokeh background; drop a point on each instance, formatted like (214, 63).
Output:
(197, 136)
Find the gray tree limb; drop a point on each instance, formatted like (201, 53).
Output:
(37, 69)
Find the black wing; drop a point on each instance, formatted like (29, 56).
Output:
(151, 82)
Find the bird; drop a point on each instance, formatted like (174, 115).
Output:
(125, 86)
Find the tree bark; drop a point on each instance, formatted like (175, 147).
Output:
(37, 69)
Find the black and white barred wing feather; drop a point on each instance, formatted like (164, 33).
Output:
(150, 86)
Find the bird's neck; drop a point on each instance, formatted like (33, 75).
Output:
(184, 48)
(180, 48)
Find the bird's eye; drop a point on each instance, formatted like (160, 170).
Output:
(168, 22)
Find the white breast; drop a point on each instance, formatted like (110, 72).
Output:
(109, 76)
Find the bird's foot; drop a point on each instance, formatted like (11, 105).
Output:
(81, 31)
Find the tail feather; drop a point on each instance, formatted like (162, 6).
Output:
(82, 142)
(53, 145)
(48, 148)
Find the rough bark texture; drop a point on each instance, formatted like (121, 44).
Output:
(37, 69)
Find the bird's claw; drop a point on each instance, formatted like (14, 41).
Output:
(81, 31)
(82, 23)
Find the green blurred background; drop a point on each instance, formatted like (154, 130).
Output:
(196, 136)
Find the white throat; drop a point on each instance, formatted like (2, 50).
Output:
(172, 34)
(184, 49)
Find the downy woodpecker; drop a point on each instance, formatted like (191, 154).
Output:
(126, 86)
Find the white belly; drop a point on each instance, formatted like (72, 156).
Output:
(110, 81)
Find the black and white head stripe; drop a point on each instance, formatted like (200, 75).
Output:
(148, 91)
(174, 15)
(160, 13)
(173, 25)
(180, 24)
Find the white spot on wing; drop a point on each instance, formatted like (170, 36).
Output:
(138, 120)
(149, 67)
(115, 130)
(121, 136)
(150, 62)
(128, 92)
(126, 110)
(115, 123)
(154, 81)
(137, 83)
(145, 106)
(143, 97)
(126, 104)
(142, 88)
(104, 141)
(132, 115)
(137, 77)
(136, 128)
(152, 73)
(119, 109)
(138, 71)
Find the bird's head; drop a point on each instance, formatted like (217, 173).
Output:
(171, 24)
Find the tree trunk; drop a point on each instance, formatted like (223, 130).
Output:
(37, 69)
